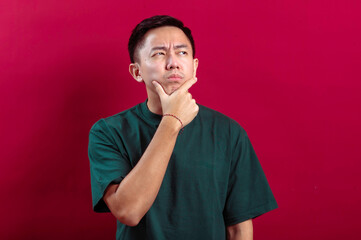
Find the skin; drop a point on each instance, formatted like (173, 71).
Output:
(166, 51)
(240, 231)
(167, 68)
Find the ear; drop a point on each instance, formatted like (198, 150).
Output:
(134, 70)
(195, 66)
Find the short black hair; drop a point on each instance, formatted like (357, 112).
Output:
(137, 37)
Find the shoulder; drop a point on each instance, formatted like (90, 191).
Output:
(116, 121)
(219, 120)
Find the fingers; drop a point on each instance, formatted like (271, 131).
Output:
(188, 84)
(159, 89)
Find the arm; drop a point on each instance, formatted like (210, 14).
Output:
(240, 231)
(131, 199)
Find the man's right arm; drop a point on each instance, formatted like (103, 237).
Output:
(132, 198)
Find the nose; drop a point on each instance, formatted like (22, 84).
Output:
(172, 62)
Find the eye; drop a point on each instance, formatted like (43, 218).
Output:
(183, 53)
(158, 54)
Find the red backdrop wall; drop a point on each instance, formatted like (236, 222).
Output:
(287, 71)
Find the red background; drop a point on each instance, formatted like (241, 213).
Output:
(287, 71)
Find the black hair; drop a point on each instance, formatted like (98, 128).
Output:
(137, 37)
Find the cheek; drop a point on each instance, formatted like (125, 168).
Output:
(150, 71)
(189, 70)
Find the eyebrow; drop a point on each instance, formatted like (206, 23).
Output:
(164, 48)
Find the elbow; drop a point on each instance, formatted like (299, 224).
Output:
(131, 222)
(129, 218)
(128, 212)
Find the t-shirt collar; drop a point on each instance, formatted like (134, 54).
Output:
(148, 115)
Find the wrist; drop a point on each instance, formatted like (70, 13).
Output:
(173, 122)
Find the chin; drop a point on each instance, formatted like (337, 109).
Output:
(172, 90)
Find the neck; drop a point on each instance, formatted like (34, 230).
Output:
(154, 104)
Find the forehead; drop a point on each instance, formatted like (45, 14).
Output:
(165, 36)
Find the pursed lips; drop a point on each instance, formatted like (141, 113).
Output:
(175, 76)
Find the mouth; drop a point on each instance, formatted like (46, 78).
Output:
(175, 77)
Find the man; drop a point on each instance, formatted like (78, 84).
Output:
(169, 168)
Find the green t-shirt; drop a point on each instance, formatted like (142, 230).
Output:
(213, 179)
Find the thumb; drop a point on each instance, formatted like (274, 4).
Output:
(159, 89)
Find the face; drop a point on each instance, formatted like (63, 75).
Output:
(166, 57)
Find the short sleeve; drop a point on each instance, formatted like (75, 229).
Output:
(108, 163)
(249, 194)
